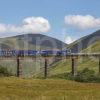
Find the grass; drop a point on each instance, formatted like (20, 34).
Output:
(29, 66)
(94, 48)
(13, 88)
(64, 66)
(35, 89)
(33, 68)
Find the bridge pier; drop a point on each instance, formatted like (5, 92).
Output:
(45, 67)
(19, 68)
(99, 65)
(74, 66)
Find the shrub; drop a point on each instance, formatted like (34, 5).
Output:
(4, 71)
(85, 75)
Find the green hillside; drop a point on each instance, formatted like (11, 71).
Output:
(94, 48)
(84, 42)
(36, 67)
(64, 66)
(31, 42)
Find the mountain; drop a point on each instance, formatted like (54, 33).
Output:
(59, 69)
(27, 42)
(31, 41)
(88, 41)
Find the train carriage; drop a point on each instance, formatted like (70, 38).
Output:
(13, 52)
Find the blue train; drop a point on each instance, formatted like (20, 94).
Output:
(12, 52)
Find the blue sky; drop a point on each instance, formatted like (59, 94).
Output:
(13, 12)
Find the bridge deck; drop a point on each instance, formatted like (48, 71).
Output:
(48, 56)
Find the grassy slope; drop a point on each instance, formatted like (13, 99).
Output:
(31, 41)
(30, 89)
(58, 68)
(34, 67)
(65, 65)
(94, 48)
(29, 67)
(16, 43)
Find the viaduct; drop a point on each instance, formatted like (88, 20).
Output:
(74, 57)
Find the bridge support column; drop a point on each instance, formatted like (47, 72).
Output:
(45, 68)
(99, 65)
(74, 66)
(19, 68)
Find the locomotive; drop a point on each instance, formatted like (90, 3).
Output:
(13, 52)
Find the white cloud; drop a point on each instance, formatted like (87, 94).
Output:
(82, 22)
(36, 25)
(28, 25)
(68, 40)
(2, 28)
